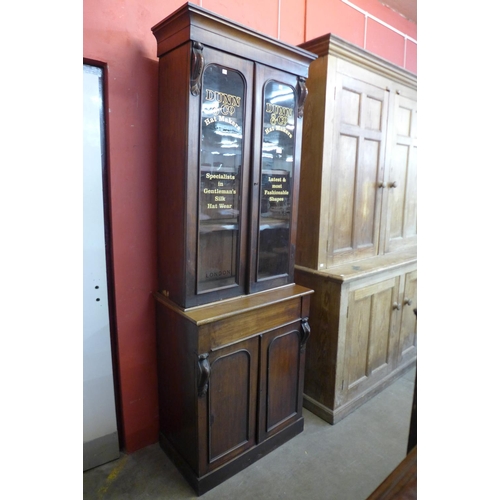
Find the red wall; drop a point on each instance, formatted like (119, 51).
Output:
(118, 34)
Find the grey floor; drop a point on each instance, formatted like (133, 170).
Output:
(346, 461)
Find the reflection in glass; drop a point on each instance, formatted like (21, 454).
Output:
(276, 186)
(221, 150)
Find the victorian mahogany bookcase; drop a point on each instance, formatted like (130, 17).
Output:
(231, 323)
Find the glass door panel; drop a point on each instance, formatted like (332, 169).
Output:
(277, 162)
(220, 176)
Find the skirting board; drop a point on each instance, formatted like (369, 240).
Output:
(333, 416)
(203, 484)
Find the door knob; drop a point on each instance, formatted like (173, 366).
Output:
(396, 306)
(393, 184)
(407, 301)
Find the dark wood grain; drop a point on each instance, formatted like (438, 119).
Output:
(401, 484)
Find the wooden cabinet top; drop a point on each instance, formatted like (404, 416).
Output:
(191, 22)
(363, 268)
(331, 45)
(220, 310)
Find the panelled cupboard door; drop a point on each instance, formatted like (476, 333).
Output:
(408, 331)
(228, 412)
(371, 340)
(358, 160)
(280, 379)
(401, 172)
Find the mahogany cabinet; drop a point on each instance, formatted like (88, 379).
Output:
(230, 129)
(231, 323)
(357, 225)
(365, 331)
(230, 380)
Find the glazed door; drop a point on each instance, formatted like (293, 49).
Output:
(220, 203)
(228, 411)
(281, 384)
(371, 336)
(275, 177)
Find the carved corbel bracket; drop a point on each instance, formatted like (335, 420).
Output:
(197, 64)
(302, 94)
(306, 331)
(204, 375)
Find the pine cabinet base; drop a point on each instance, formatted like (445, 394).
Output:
(334, 416)
(230, 380)
(365, 331)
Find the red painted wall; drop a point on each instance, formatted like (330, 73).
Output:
(118, 34)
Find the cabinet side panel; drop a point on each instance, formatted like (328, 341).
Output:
(172, 158)
(310, 196)
(321, 356)
(177, 362)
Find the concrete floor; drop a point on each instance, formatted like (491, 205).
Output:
(346, 461)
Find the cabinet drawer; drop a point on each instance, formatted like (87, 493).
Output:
(248, 324)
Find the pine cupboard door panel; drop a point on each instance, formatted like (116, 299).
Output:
(408, 331)
(370, 336)
(358, 159)
(228, 411)
(280, 379)
(401, 178)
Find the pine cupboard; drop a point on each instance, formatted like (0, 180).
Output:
(357, 227)
(364, 331)
(232, 325)
(359, 174)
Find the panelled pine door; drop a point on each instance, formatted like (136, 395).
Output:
(359, 139)
(372, 340)
(401, 177)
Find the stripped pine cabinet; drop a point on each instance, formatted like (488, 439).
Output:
(357, 227)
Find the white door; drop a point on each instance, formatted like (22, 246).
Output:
(100, 434)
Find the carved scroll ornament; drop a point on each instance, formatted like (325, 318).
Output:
(197, 64)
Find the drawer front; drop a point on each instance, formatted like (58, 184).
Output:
(235, 328)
